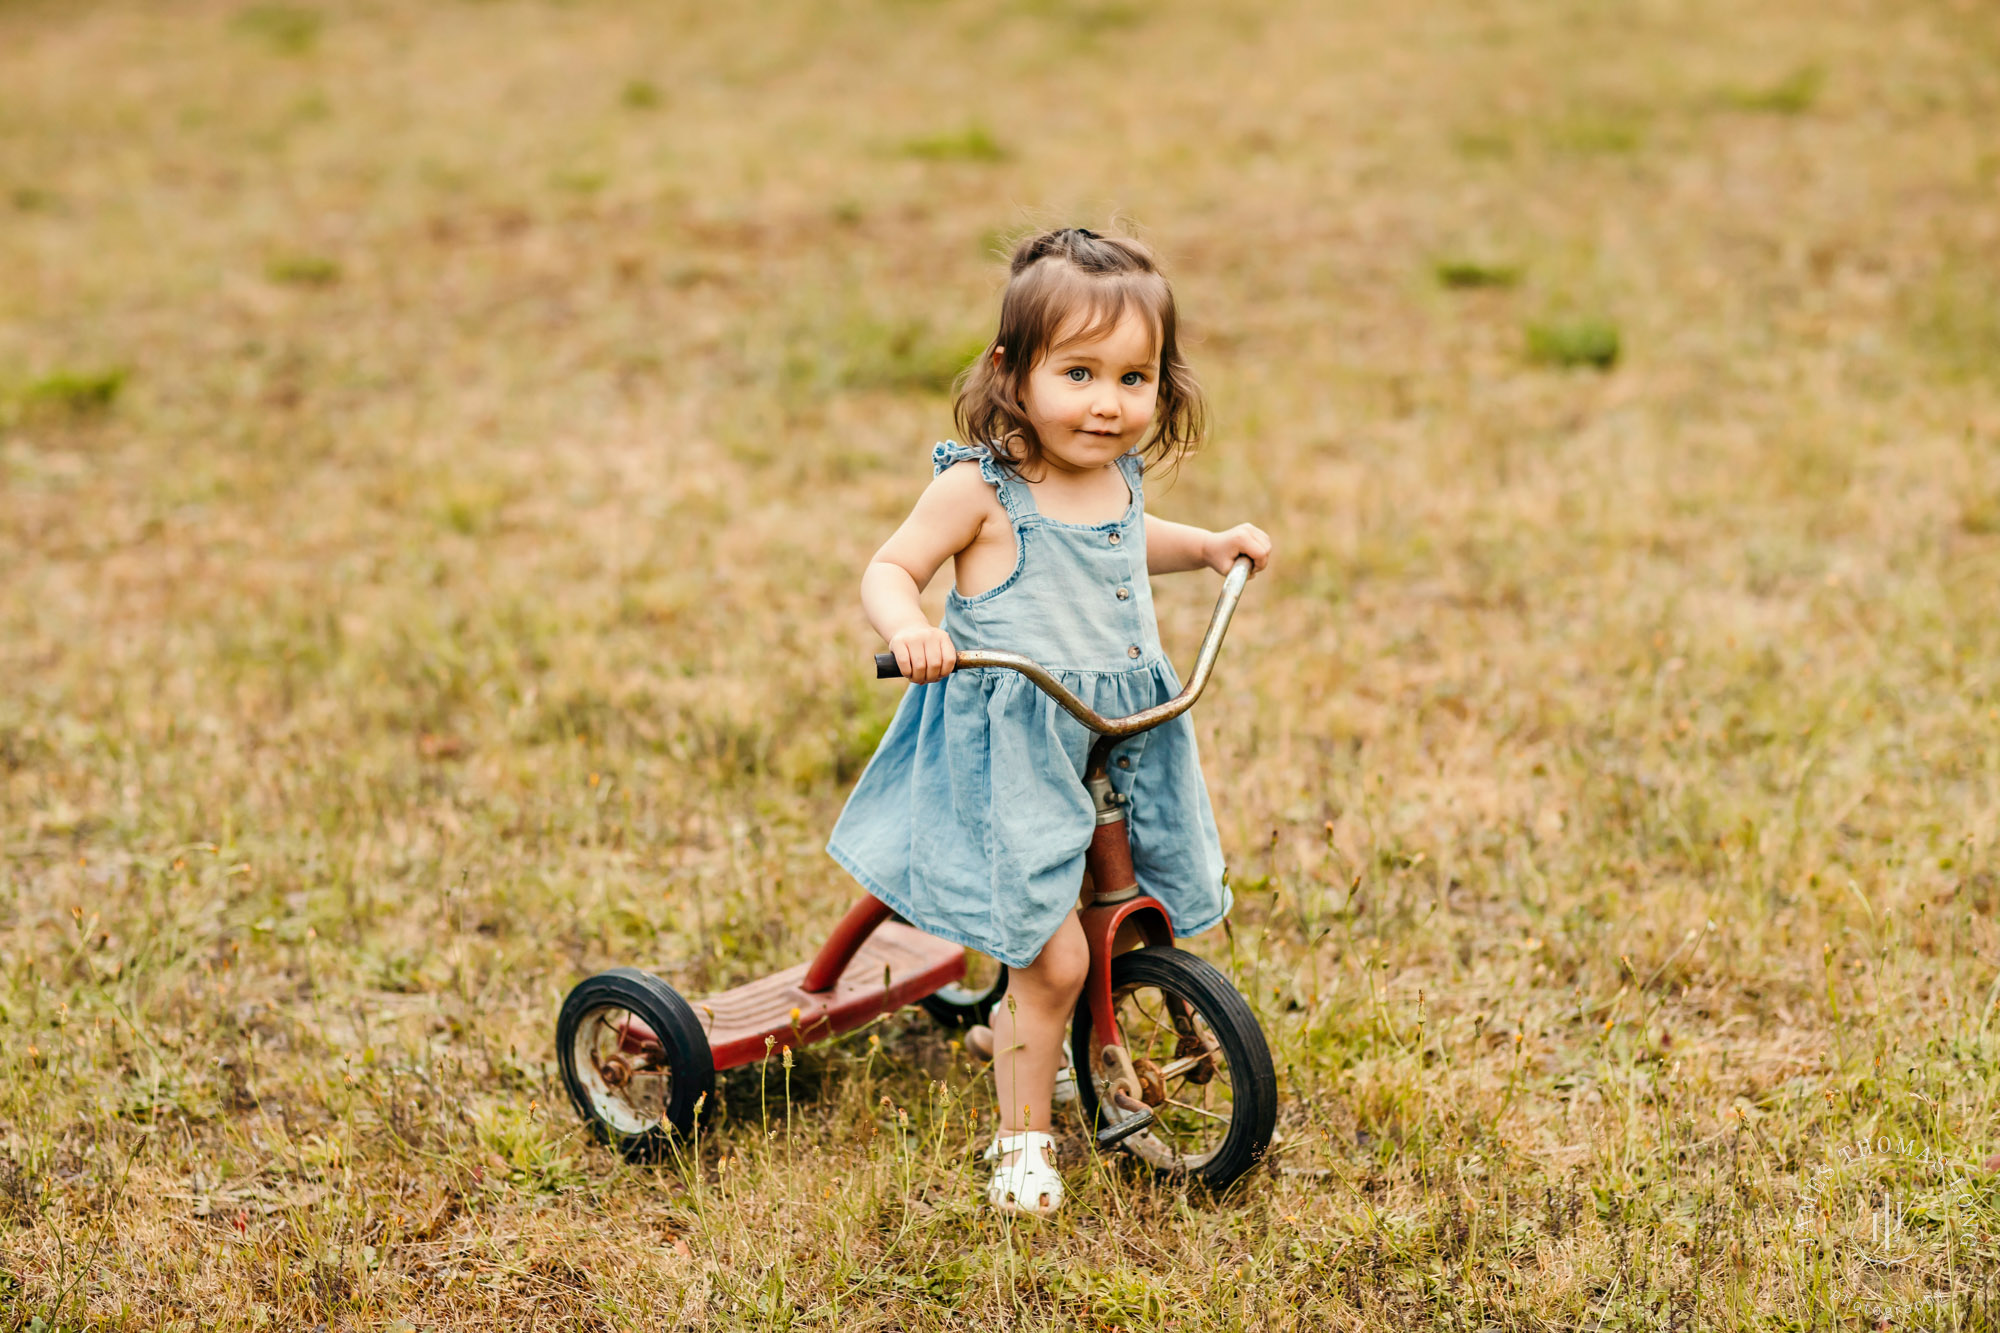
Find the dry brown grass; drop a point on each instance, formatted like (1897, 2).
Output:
(438, 444)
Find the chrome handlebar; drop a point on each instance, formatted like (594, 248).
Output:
(1143, 720)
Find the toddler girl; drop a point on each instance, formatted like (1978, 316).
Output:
(971, 820)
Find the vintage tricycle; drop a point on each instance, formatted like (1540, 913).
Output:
(1178, 1072)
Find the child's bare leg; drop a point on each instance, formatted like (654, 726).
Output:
(1028, 1028)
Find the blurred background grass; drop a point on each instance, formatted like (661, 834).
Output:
(438, 447)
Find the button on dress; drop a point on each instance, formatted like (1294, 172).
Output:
(971, 820)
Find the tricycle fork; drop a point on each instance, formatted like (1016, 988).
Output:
(1116, 899)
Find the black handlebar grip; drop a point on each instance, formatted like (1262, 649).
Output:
(886, 668)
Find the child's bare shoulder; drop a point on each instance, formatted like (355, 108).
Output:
(960, 492)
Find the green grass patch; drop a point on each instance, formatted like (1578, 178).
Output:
(290, 30)
(580, 181)
(905, 355)
(1091, 19)
(74, 394)
(640, 95)
(303, 270)
(470, 510)
(1573, 343)
(974, 143)
(1483, 145)
(1980, 514)
(1603, 133)
(1790, 96)
(1464, 274)
(1955, 318)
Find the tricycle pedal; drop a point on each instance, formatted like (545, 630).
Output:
(1132, 1122)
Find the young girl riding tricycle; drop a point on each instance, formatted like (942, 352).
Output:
(989, 805)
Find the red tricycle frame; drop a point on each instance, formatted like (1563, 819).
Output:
(873, 964)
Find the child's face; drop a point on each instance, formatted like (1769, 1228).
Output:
(1091, 401)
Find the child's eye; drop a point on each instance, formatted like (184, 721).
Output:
(1134, 378)
(1077, 374)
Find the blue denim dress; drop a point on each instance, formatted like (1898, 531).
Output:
(971, 819)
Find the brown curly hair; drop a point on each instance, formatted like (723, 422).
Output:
(1054, 278)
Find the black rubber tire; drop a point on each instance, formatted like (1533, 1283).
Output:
(962, 1007)
(1252, 1079)
(690, 1064)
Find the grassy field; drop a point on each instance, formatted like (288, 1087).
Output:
(439, 444)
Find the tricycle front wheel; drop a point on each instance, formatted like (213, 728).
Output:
(1202, 1062)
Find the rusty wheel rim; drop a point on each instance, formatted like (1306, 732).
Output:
(624, 1070)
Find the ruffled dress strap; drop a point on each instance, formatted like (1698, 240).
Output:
(1134, 468)
(1014, 496)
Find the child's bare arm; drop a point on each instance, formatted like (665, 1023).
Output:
(1172, 548)
(948, 517)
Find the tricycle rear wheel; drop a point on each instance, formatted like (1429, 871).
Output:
(1201, 1059)
(635, 1061)
(970, 1002)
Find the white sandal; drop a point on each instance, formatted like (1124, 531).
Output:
(1030, 1176)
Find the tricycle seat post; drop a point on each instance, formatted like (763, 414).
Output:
(1108, 862)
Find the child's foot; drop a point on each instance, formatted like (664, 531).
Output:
(1026, 1181)
(979, 1040)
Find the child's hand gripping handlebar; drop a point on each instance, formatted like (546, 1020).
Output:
(1143, 720)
